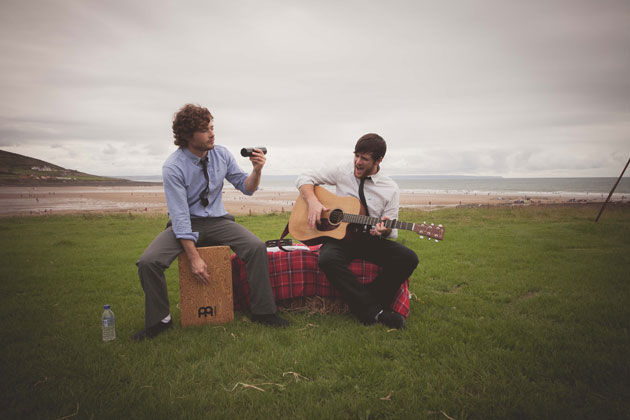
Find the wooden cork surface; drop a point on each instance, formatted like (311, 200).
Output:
(211, 304)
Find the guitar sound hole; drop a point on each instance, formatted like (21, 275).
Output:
(336, 216)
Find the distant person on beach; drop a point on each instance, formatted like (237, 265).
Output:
(381, 195)
(193, 181)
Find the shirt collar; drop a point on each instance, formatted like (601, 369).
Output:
(377, 175)
(375, 178)
(193, 157)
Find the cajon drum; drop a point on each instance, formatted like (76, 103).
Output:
(211, 304)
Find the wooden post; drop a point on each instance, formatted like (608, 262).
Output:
(612, 191)
(211, 304)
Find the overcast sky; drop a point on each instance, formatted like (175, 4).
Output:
(484, 87)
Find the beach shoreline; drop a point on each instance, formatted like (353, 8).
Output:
(37, 200)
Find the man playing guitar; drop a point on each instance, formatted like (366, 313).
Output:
(379, 196)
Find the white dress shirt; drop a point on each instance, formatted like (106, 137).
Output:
(381, 192)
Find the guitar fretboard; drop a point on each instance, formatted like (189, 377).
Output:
(373, 221)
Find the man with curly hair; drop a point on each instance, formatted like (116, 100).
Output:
(193, 181)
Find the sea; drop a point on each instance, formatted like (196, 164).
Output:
(471, 185)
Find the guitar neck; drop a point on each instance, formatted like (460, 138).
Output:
(431, 231)
(373, 221)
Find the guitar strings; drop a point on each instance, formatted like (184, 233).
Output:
(392, 223)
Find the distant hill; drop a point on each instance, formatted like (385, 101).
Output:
(17, 169)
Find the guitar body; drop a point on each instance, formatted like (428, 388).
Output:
(331, 228)
(345, 212)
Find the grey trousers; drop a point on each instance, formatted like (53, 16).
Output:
(212, 231)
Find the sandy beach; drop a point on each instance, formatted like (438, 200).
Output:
(38, 200)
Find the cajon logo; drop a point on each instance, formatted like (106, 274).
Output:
(206, 310)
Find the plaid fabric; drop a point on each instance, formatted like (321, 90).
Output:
(296, 274)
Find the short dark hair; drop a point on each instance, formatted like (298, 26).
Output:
(187, 120)
(371, 143)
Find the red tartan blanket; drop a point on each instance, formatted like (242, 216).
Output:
(296, 274)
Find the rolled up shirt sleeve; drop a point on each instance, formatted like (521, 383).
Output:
(235, 175)
(177, 203)
(325, 176)
(391, 211)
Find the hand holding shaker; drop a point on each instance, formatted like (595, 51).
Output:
(247, 151)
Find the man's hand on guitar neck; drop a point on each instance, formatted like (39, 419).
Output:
(380, 229)
(315, 207)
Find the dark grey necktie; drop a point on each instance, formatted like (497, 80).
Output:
(204, 194)
(362, 194)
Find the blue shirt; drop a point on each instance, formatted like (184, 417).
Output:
(182, 174)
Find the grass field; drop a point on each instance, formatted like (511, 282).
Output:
(521, 313)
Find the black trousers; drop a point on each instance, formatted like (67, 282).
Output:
(365, 301)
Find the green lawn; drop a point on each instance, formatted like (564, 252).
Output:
(521, 313)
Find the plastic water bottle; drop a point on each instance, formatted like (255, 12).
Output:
(108, 323)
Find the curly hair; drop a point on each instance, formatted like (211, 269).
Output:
(187, 120)
(371, 143)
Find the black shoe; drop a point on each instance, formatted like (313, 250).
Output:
(271, 320)
(152, 331)
(392, 319)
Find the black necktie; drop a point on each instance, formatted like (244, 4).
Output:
(204, 194)
(362, 195)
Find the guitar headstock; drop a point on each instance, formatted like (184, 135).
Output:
(430, 231)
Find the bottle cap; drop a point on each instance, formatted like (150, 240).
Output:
(107, 306)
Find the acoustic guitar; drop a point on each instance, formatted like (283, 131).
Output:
(342, 212)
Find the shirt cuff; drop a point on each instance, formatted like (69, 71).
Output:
(303, 181)
(193, 236)
(246, 191)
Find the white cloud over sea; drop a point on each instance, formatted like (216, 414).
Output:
(480, 87)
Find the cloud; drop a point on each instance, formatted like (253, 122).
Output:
(481, 87)
(110, 150)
